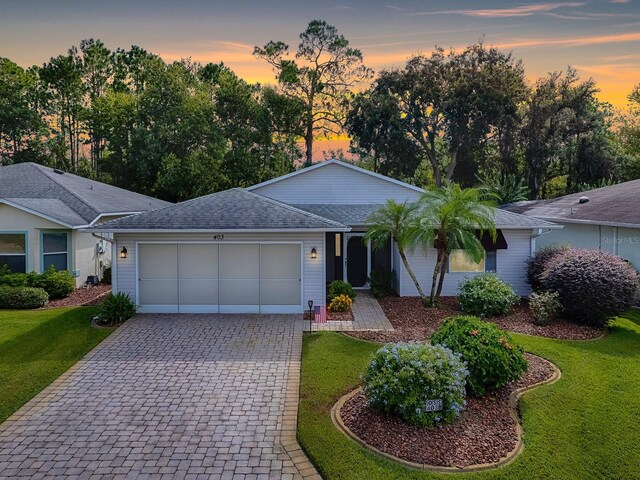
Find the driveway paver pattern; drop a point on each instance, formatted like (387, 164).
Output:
(169, 396)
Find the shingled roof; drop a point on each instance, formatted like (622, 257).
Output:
(231, 210)
(66, 198)
(614, 205)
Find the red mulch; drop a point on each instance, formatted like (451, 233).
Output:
(413, 321)
(484, 433)
(88, 295)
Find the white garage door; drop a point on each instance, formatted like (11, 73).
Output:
(225, 278)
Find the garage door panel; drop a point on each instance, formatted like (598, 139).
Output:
(198, 261)
(239, 262)
(158, 261)
(280, 292)
(158, 292)
(198, 291)
(240, 292)
(280, 261)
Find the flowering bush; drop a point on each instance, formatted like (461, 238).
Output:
(341, 303)
(592, 285)
(493, 359)
(544, 307)
(404, 378)
(486, 295)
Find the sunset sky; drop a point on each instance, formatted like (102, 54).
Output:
(600, 38)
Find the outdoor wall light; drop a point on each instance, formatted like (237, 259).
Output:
(314, 252)
(123, 252)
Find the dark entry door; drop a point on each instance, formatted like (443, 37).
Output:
(356, 261)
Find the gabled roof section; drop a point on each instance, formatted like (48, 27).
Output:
(65, 198)
(616, 205)
(235, 210)
(333, 161)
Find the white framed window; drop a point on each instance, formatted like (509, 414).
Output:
(13, 251)
(55, 250)
(459, 262)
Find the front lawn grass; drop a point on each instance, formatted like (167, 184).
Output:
(37, 346)
(584, 426)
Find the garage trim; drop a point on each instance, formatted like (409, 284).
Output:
(266, 309)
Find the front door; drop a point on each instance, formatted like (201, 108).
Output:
(356, 260)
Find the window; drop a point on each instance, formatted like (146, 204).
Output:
(13, 251)
(460, 262)
(55, 251)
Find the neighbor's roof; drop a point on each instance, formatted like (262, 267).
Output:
(66, 198)
(359, 214)
(617, 205)
(231, 210)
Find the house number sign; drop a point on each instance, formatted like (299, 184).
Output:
(433, 405)
(218, 236)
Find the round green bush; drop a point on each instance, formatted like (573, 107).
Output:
(592, 286)
(402, 378)
(537, 264)
(338, 287)
(58, 284)
(22, 298)
(486, 295)
(493, 359)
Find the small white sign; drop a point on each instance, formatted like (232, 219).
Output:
(433, 405)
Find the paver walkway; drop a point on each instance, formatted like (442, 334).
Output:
(367, 316)
(166, 396)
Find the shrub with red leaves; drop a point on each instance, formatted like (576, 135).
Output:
(592, 286)
(537, 264)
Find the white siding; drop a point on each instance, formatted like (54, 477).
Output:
(86, 258)
(336, 184)
(628, 243)
(313, 269)
(511, 266)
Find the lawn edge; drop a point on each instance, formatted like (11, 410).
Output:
(514, 399)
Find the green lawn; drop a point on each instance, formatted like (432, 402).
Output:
(584, 426)
(37, 346)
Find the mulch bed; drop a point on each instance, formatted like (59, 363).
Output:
(334, 316)
(89, 295)
(484, 433)
(413, 321)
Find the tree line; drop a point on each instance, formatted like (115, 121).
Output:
(182, 129)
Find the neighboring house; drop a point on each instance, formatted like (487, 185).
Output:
(274, 246)
(606, 219)
(42, 211)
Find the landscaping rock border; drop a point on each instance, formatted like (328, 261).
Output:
(510, 456)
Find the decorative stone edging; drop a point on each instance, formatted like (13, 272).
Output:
(513, 411)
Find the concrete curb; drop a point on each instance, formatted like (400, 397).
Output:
(513, 411)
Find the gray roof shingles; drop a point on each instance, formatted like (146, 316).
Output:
(235, 209)
(68, 198)
(358, 215)
(617, 204)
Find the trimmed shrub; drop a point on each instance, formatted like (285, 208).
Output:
(341, 303)
(403, 378)
(106, 275)
(58, 284)
(116, 308)
(592, 285)
(544, 307)
(22, 297)
(493, 359)
(15, 280)
(486, 295)
(338, 287)
(537, 264)
(381, 282)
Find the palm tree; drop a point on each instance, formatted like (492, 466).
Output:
(398, 222)
(450, 218)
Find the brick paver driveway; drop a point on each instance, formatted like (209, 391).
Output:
(182, 396)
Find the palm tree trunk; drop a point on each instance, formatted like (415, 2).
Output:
(443, 271)
(434, 279)
(410, 271)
